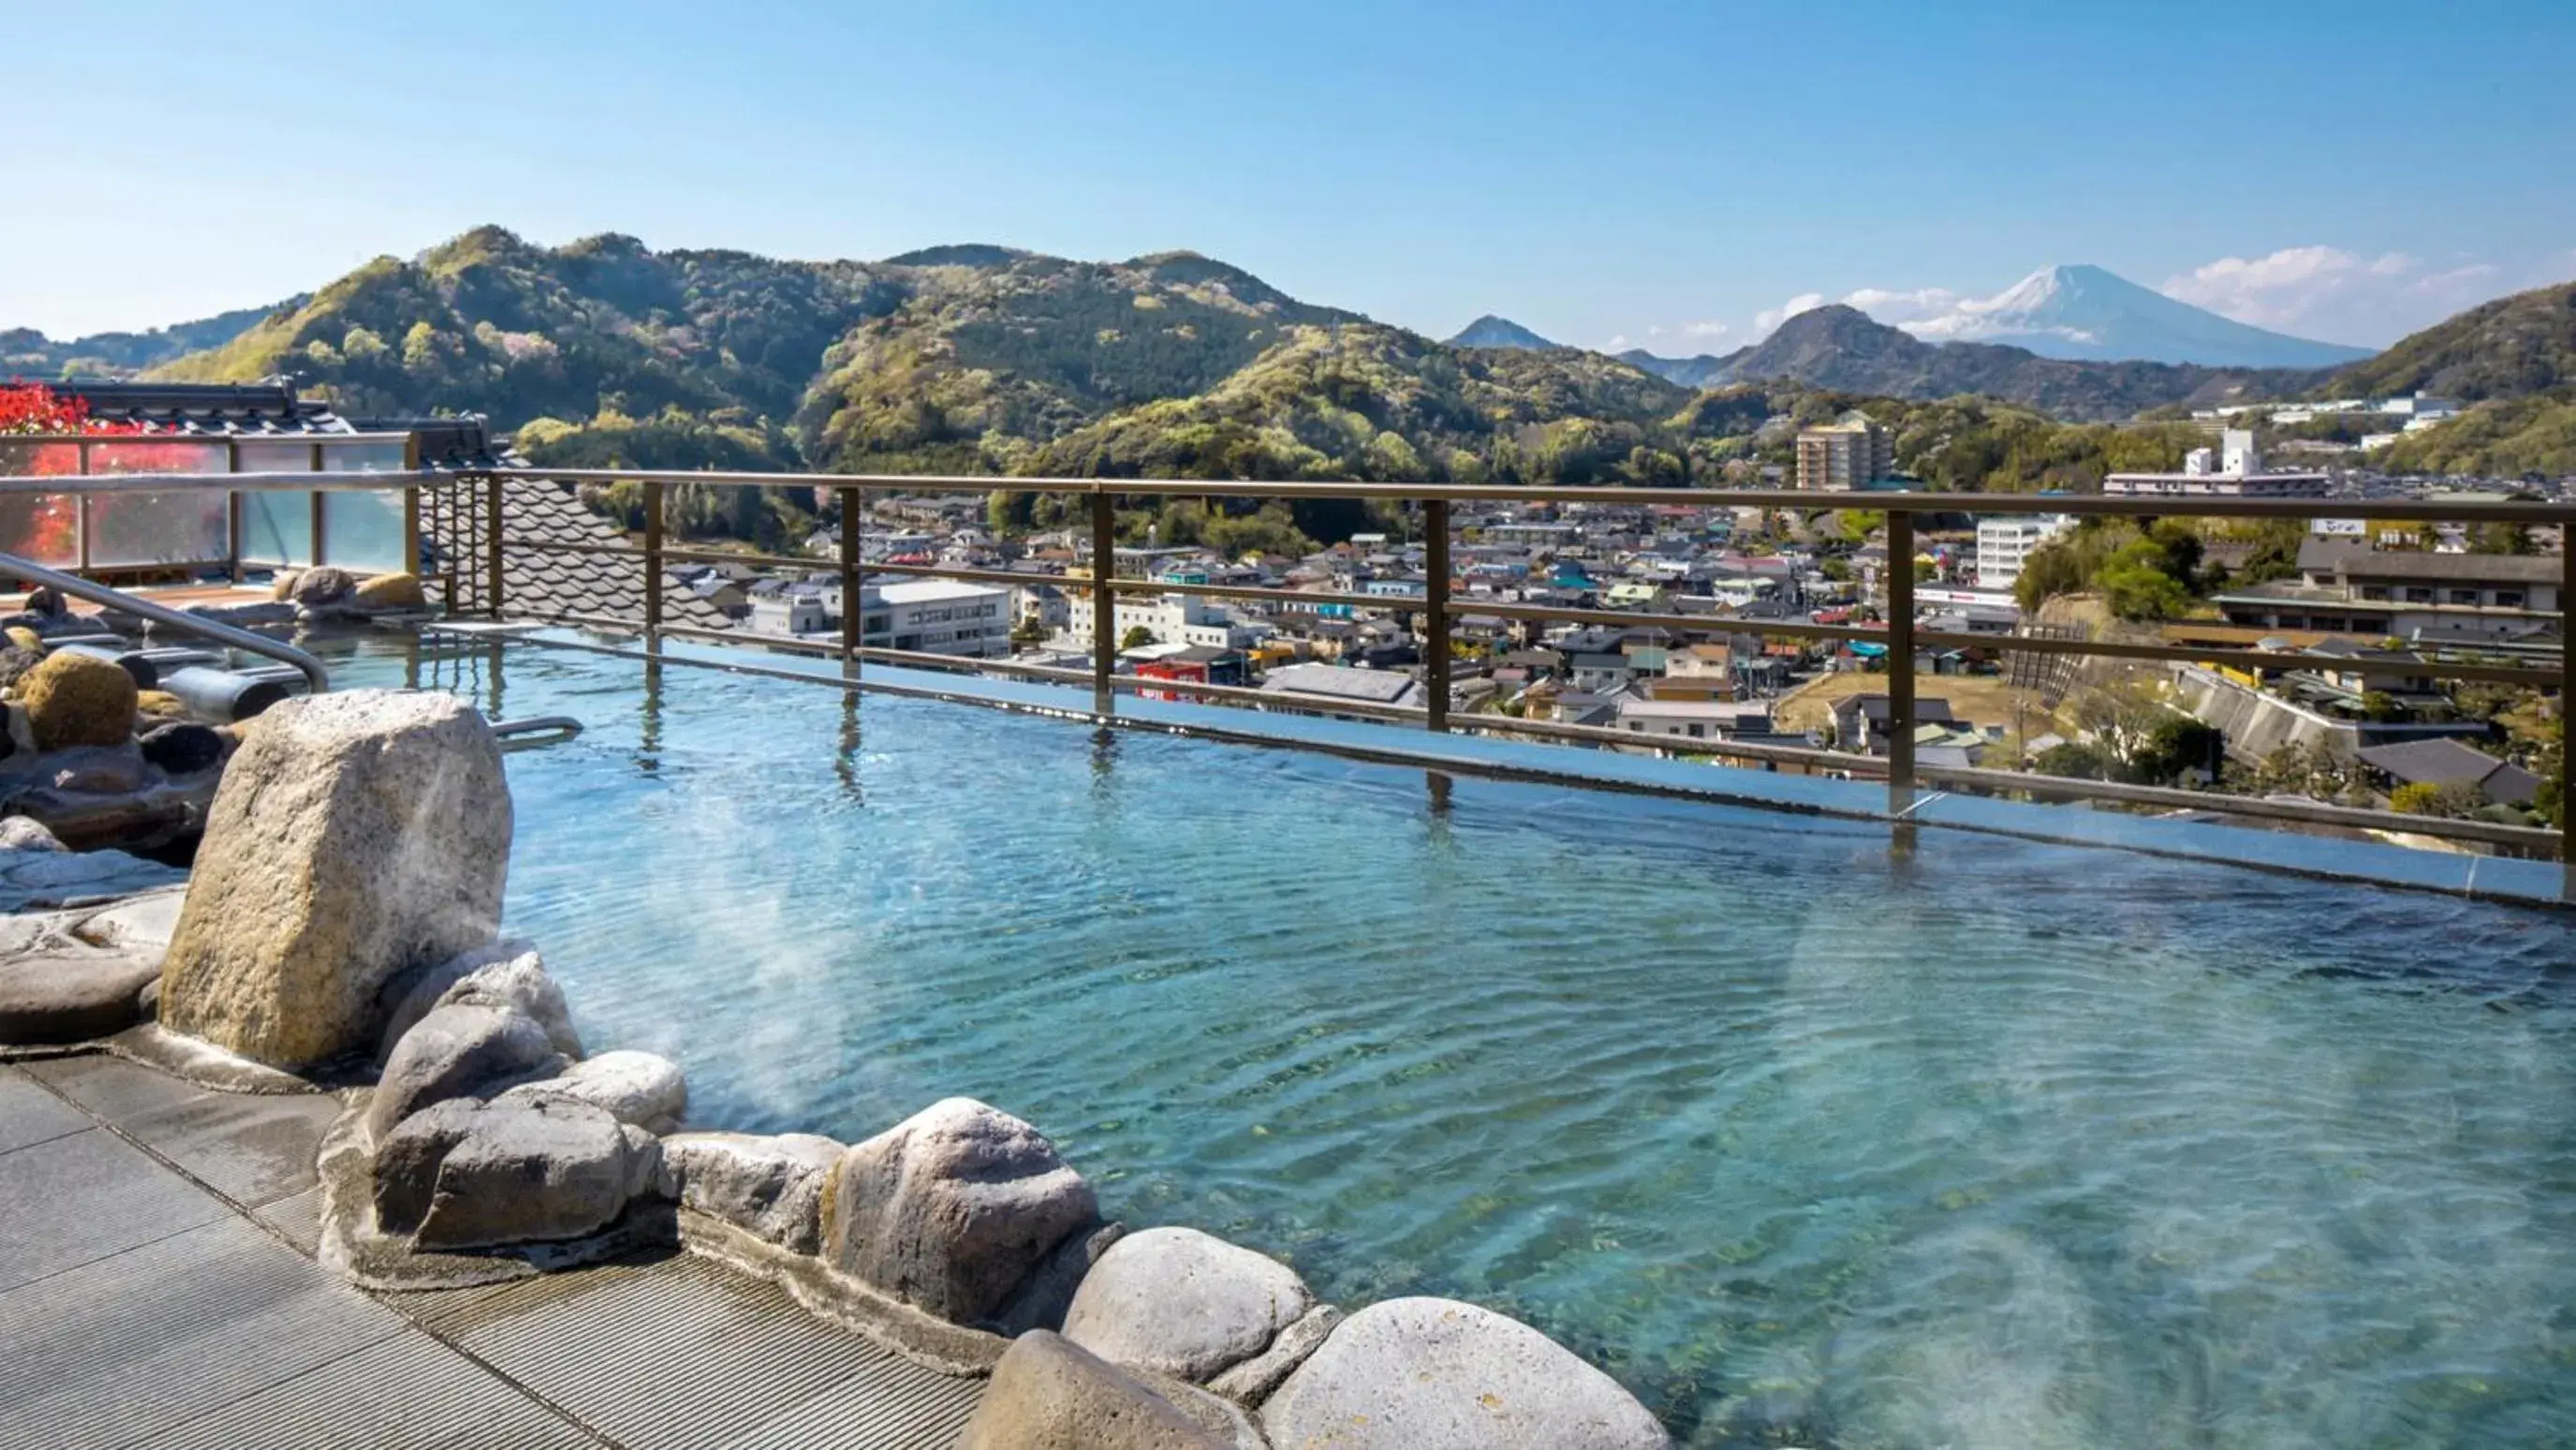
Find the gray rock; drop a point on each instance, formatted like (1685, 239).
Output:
(183, 747)
(1048, 1394)
(71, 995)
(772, 1187)
(953, 1208)
(1048, 1292)
(324, 586)
(96, 769)
(1251, 1382)
(516, 1174)
(1184, 1303)
(26, 833)
(462, 1050)
(1435, 1374)
(139, 923)
(405, 1171)
(498, 974)
(356, 836)
(632, 1087)
(53, 878)
(256, 613)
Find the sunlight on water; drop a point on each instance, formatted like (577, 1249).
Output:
(2008, 1145)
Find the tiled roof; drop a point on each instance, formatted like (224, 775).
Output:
(261, 409)
(548, 584)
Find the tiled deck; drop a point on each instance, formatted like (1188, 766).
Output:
(157, 1288)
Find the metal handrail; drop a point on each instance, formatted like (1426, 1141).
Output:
(315, 676)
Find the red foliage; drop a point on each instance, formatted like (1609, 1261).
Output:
(48, 528)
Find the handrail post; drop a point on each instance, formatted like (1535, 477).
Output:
(2566, 700)
(1104, 603)
(411, 505)
(1435, 614)
(1900, 662)
(653, 491)
(853, 585)
(492, 544)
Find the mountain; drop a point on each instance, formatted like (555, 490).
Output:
(2090, 314)
(1690, 372)
(2513, 359)
(25, 352)
(1492, 331)
(1841, 348)
(2509, 348)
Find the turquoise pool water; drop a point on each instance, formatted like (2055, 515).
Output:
(2008, 1145)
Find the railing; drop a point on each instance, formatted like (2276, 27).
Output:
(315, 676)
(1901, 634)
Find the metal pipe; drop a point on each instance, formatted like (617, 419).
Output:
(222, 694)
(145, 674)
(224, 634)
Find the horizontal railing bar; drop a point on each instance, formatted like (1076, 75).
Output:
(1002, 577)
(1907, 501)
(2247, 659)
(210, 440)
(2443, 827)
(90, 483)
(2437, 827)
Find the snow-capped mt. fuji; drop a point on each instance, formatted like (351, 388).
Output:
(2089, 314)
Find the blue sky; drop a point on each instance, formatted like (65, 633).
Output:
(1665, 174)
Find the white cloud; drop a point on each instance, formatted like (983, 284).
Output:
(1897, 308)
(1769, 319)
(1704, 329)
(2336, 293)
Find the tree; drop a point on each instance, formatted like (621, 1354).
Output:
(2424, 798)
(2073, 760)
(2135, 584)
(2173, 747)
(1136, 637)
(2502, 538)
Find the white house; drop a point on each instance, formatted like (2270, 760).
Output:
(2003, 543)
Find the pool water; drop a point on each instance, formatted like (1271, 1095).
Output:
(2004, 1144)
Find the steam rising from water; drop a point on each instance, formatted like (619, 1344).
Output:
(2011, 1146)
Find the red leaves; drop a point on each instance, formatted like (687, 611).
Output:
(34, 408)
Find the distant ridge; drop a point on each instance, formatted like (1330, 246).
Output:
(1492, 331)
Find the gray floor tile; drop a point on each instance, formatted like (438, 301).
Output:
(30, 1114)
(686, 1353)
(112, 1087)
(298, 1217)
(406, 1393)
(121, 1351)
(253, 1149)
(81, 1198)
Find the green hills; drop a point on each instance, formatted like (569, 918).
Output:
(987, 360)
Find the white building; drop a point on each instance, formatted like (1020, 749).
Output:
(936, 616)
(1179, 619)
(2239, 474)
(2003, 543)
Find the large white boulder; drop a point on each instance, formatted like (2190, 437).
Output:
(632, 1087)
(357, 836)
(953, 1208)
(1435, 1374)
(1184, 1303)
(768, 1186)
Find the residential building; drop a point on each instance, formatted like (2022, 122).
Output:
(1184, 619)
(1860, 721)
(1328, 683)
(2003, 543)
(2236, 472)
(1691, 719)
(2346, 587)
(936, 616)
(2442, 762)
(1846, 455)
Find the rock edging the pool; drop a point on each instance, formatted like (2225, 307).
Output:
(341, 931)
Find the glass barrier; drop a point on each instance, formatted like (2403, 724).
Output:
(41, 527)
(364, 531)
(133, 529)
(276, 525)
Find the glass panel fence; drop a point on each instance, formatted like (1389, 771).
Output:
(40, 527)
(136, 529)
(364, 531)
(277, 525)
